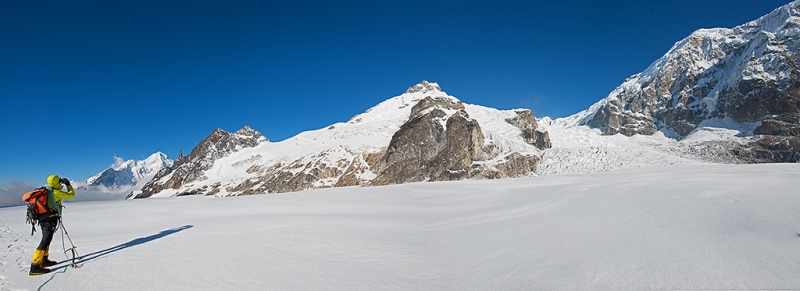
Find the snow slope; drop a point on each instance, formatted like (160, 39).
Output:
(688, 226)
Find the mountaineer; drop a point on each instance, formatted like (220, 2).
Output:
(49, 223)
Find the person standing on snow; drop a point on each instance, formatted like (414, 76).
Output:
(40, 260)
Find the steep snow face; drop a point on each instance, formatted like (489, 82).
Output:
(374, 128)
(713, 73)
(396, 110)
(130, 172)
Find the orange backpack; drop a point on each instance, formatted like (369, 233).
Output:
(38, 209)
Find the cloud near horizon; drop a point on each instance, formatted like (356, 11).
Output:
(11, 193)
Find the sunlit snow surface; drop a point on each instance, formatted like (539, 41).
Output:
(687, 226)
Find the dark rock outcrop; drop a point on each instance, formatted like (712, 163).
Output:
(526, 122)
(780, 125)
(770, 149)
(613, 121)
(425, 150)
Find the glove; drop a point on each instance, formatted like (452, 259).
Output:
(64, 181)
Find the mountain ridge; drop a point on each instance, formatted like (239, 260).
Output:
(748, 73)
(424, 126)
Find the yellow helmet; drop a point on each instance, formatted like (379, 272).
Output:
(54, 181)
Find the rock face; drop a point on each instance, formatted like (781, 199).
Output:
(526, 122)
(421, 135)
(330, 168)
(748, 74)
(783, 125)
(770, 148)
(432, 146)
(191, 167)
(440, 142)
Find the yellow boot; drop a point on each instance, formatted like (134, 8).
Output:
(36, 263)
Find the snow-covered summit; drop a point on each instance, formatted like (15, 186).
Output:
(720, 95)
(784, 21)
(424, 87)
(130, 172)
(396, 109)
(247, 132)
(746, 74)
(372, 129)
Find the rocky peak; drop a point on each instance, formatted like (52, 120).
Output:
(248, 133)
(781, 20)
(424, 87)
(747, 73)
(221, 143)
(191, 167)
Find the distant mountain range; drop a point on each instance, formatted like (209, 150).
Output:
(720, 95)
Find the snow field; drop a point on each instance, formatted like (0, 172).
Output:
(688, 226)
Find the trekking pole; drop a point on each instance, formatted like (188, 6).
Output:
(73, 248)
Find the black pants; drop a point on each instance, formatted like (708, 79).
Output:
(49, 226)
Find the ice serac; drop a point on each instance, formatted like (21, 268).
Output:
(423, 134)
(747, 74)
(191, 167)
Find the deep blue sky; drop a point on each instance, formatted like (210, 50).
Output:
(84, 81)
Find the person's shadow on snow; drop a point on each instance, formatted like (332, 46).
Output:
(135, 242)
